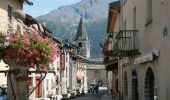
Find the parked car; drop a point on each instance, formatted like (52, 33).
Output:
(77, 92)
(83, 93)
(73, 94)
(66, 96)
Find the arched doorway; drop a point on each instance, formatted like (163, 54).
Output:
(135, 86)
(125, 85)
(149, 84)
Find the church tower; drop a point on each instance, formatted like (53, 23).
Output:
(82, 40)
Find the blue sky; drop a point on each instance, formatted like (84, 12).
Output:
(41, 7)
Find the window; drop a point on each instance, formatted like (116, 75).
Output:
(66, 83)
(124, 27)
(134, 18)
(148, 12)
(52, 84)
(66, 71)
(38, 89)
(62, 73)
(80, 44)
(124, 1)
(10, 12)
(47, 84)
(66, 58)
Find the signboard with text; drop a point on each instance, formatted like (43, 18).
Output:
(62, 61)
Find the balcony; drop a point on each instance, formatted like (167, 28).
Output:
(127, 44)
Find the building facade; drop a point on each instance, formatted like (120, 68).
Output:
(96, 74)
(6, 9)
(142, 59)
(83, 42)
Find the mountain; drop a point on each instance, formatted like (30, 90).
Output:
(64, 21)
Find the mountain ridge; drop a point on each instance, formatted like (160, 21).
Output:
(64, 21)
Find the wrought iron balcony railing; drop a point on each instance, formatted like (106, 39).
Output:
(127, 43)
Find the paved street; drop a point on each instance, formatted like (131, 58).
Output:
(91, 96)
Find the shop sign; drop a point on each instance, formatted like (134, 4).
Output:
(62, 62)
(149, 57)
(144, 59)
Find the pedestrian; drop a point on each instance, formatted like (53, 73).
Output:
(96, 89)
(93, 88)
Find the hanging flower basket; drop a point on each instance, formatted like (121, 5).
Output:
(29, 49)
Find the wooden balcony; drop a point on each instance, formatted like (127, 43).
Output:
(127, 44)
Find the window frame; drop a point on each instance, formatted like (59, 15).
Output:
(149, 17)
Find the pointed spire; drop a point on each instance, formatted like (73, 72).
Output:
(81, 31)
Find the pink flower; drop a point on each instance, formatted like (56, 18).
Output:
(23, 52)
(26, 60)
(27, 48)
(29, 55)
(38, 59)
(32, 65)
(25, 41)
(41, 66)
(36, 52)
(17, 59)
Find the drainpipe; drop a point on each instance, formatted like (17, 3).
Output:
(121, 69)
(119, 79)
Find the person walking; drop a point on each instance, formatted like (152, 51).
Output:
(96, 89)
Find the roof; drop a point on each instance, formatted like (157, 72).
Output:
(116, 3)
(81, 32)
(114, 9)
(27, 1)
(69, 44)
(29, 20)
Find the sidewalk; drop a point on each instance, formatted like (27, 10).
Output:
(106, 96)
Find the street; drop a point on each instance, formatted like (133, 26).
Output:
(91, 96)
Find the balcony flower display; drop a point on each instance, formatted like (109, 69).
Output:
(30, 48)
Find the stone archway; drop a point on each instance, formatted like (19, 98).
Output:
(135, 95)
(149, 84)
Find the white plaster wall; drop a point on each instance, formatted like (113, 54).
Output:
(150, 38)
(110, 76)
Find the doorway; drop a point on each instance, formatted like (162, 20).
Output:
(149, 84)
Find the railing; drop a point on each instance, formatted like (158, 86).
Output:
(126, 43)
